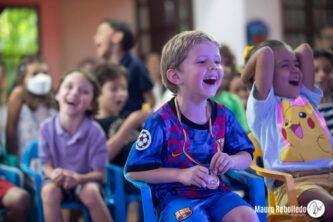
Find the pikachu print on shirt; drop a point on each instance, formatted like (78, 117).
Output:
(304, 132)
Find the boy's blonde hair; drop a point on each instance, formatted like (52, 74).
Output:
(176, 50)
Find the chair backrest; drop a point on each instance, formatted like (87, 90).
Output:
(12, 175)
(149, 211)
(288, 182)
(115, 191)
(258, 162)
(31, 153)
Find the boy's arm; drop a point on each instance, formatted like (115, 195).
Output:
(261, 66)
(304, 56)
(197, 176)
(133, 121)
(242, 160)
(48, 169)
(94, 175)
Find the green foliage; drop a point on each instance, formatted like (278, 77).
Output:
(18, 36)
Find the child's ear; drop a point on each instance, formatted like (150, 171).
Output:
(57, 97)
(117, 37)
(174, 77)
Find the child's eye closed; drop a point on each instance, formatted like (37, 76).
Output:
(69, 86)
(285, 65)
(84, 91)
(297, 65)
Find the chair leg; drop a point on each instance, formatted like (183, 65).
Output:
(86, 215)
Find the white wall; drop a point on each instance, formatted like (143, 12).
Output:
(270, 12)
(226, 20)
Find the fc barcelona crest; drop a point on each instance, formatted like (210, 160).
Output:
(183, 214)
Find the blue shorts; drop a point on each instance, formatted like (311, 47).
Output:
(212, 208)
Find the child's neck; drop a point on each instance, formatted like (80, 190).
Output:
(197, 111)
(71, 124)
(116, 55)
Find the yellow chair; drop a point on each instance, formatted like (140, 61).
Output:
(288, 181)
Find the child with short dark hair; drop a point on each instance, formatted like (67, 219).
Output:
(73, 150)
(283, 117)
(121, 128)
(323, 66)
(190, 141)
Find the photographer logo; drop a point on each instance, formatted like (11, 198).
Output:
(316, 208)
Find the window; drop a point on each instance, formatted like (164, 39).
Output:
(303, 18)
(159, 20)
(18, 36)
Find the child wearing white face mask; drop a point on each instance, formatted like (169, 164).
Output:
(30, 102)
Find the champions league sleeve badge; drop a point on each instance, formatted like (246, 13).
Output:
(144, 140)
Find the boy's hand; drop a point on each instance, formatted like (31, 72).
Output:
(71, 179)
(197, 176)
(221, 163)
(58, 176)
(139, 117)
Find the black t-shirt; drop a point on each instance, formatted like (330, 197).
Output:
(110, 126)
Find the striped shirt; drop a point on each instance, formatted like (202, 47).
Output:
(326, 110)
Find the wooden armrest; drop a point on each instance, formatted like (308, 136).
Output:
(286, 178)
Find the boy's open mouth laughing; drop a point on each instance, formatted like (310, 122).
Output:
(211, 80)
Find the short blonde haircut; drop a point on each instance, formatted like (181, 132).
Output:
(176, 50)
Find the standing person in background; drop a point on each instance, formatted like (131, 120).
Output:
(30, 103)
(323, 66)
(114, 40)
(223, 95)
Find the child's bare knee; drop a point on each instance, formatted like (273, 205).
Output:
(51, 193)
(241, 214)
(328, 215)
(90, 194)
(19, 199)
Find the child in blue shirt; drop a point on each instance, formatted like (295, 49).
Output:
(191, 140)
